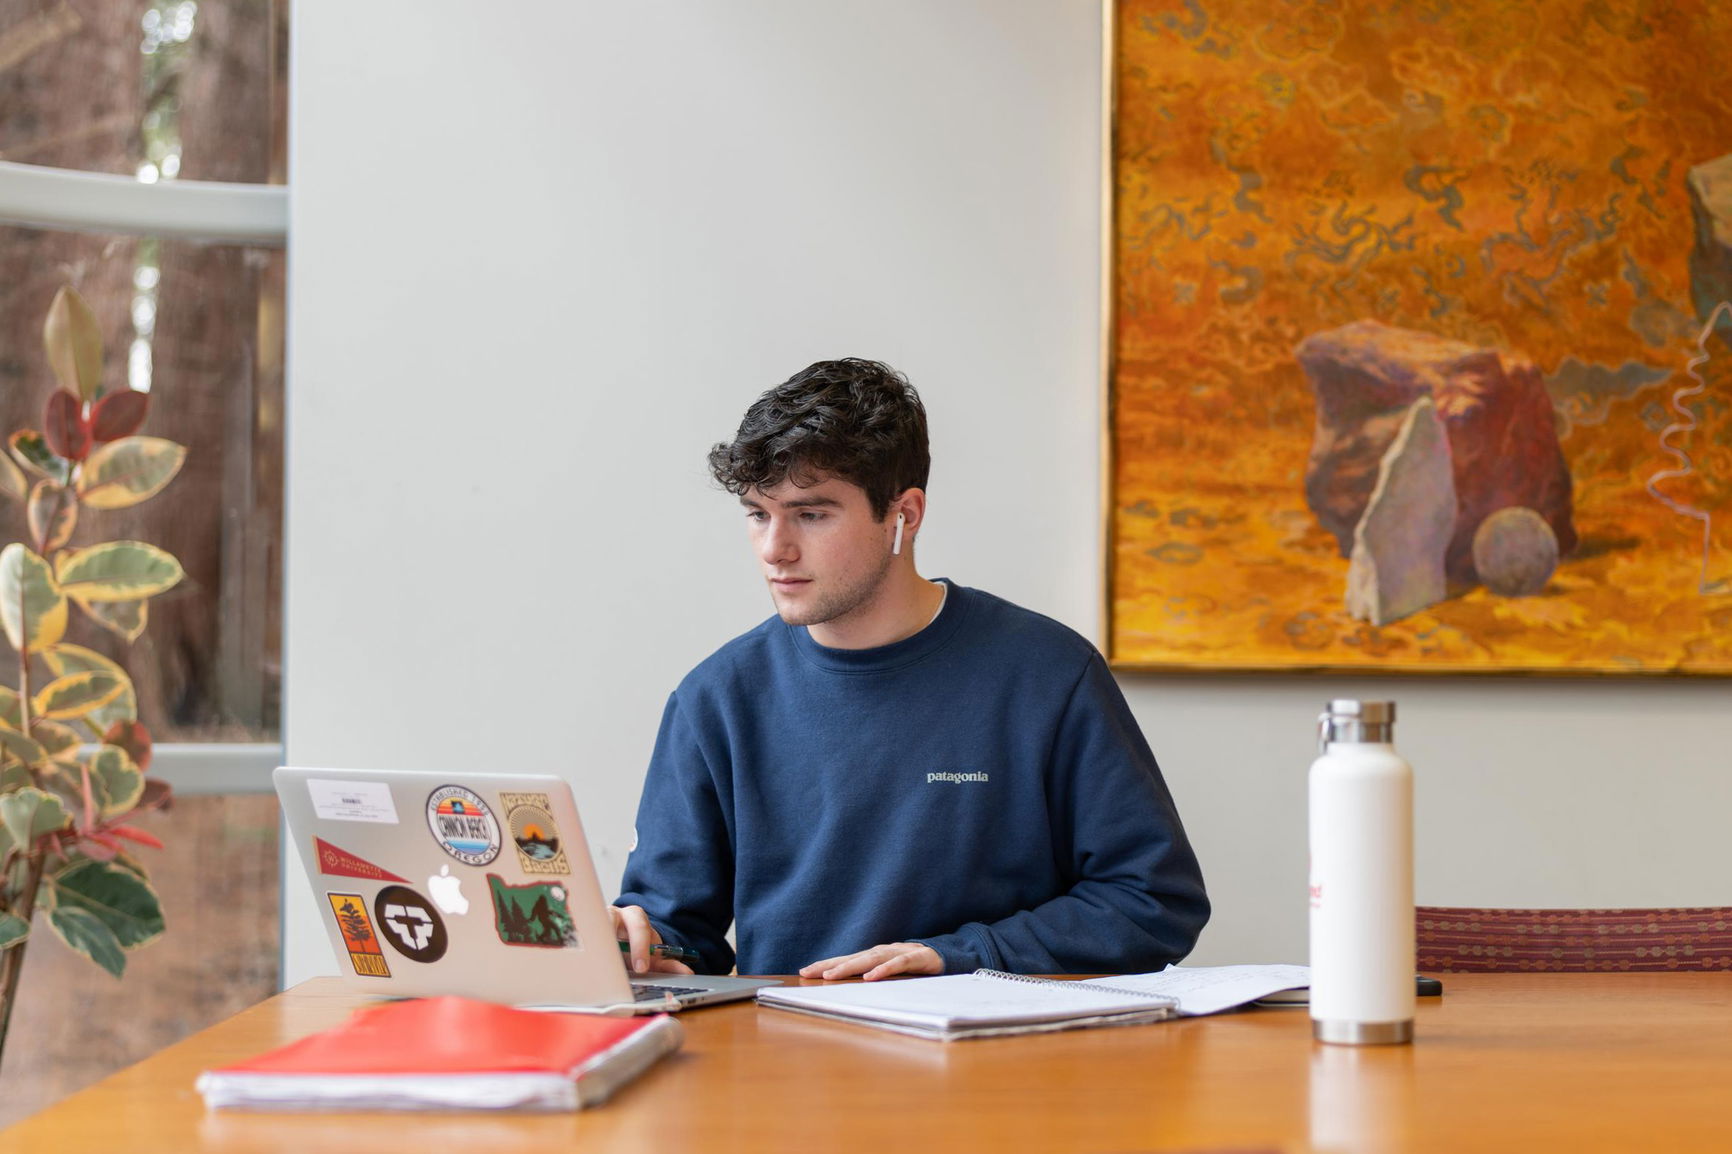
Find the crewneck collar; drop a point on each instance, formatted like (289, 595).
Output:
(897, 654)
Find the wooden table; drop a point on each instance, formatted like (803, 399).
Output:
(1576, 1062)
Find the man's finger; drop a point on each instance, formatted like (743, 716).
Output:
(639, 936)
(888, 969)
(911, 958)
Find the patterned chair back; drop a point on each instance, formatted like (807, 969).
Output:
(1457, 940)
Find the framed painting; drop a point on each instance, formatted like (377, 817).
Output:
(1420, 344)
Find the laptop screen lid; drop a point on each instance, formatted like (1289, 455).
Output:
(473, 884)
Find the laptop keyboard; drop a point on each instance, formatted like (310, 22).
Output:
(658, 993)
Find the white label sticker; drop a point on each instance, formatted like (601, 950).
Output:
(352, 801)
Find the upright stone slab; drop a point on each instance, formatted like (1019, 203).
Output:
(1710, 188)
(1400, 543)
(1503, 441)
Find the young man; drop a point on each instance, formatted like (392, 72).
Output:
(894, 775)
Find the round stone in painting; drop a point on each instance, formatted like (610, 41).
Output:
(463, 825)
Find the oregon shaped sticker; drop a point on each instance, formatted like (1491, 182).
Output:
(532, 915)
(463, 825)
(358, 937)
(410, 923)
(529, 817)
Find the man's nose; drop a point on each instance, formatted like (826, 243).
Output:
(777, 546)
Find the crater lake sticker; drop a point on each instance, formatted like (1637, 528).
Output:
(529, 817)
(464, 826)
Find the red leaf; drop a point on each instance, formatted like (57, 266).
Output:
(118, 415)
(132, 737)
(98, 847)
(156, 795)
(133, 833)
(64, 426)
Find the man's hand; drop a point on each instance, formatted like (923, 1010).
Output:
(632, 925)
(878, 962)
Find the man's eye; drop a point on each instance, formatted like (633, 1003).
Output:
(811, 516)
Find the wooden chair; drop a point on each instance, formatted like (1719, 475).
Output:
(1454, 939)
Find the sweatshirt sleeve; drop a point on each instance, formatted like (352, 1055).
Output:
(1135, 901)
(681, 870)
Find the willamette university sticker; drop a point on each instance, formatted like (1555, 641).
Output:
(532, 915)
(341, 863)
(410, 923)
(529, 817)
(358, 937)
(464, 826)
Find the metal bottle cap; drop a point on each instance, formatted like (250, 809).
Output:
(1347, 720)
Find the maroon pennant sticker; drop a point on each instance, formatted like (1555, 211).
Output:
(342, 863)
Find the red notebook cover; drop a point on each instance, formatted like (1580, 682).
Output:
(453, 1053)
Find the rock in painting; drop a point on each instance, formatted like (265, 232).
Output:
(1515, 552)
(1400, 542)
(1503, 442)
(1710, 188)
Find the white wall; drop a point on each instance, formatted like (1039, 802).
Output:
(544, 254)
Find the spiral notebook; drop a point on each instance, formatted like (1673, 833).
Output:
(975, 1005)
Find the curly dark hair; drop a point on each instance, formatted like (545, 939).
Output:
(855, 419)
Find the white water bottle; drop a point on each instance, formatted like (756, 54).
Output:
(1361, 832)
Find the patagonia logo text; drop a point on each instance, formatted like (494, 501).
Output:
(956, 777)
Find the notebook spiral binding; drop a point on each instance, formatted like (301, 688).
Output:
(1084, 985)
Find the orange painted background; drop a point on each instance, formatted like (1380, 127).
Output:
(1509, 174)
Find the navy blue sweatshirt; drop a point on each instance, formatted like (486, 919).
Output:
(980, 787)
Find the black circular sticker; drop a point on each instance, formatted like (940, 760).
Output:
(410, 923)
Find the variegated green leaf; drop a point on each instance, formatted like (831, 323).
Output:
(124, 618)
(117, 571)
(68, 658)
(84, 932)
(31, 449)
(76, 695)
(13, 482)
(29, 813)
(53, 515)
(23, 748)
(32, 607)
(73, 341)
(54, 738)
(13, 777)
(128, 471)
(124, 901)
(13, 929)
(66, 783)
(11, 709)
(122, 783)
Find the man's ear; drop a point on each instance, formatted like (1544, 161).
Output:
(907, 512)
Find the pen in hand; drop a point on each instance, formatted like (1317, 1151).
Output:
(662, 949)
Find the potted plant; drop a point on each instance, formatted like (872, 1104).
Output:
(73, 755)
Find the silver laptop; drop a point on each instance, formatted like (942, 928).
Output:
(473, 884)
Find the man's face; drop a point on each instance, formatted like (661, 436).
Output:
(823, 553)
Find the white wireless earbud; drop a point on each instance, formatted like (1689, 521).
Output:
(896, 545)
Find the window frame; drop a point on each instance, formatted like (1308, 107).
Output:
(36, 196)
